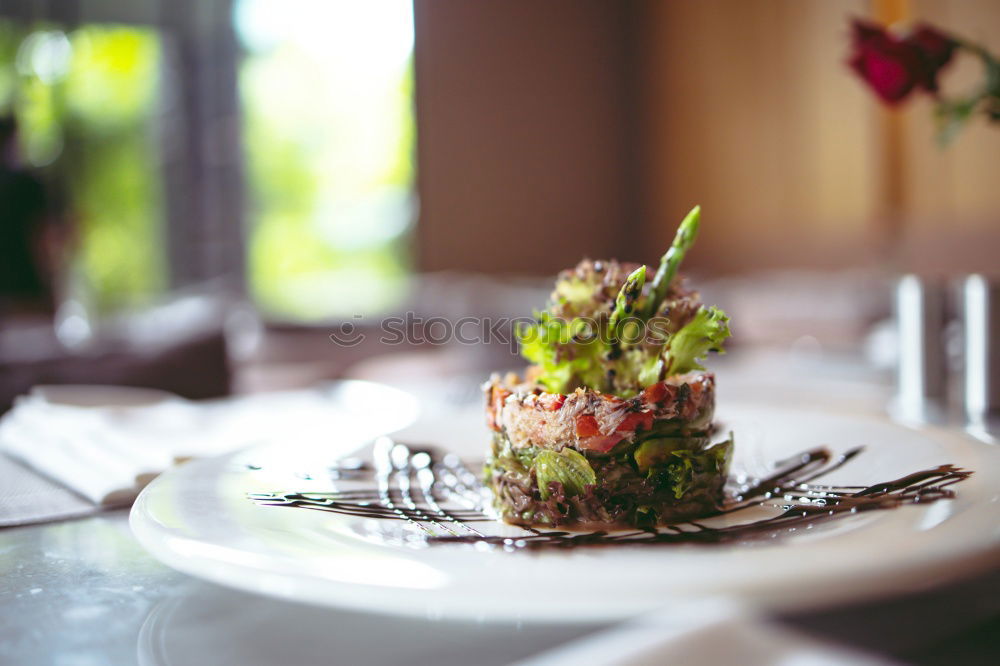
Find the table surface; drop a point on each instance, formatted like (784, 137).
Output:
(84, 592)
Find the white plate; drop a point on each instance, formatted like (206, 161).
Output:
(197, 519)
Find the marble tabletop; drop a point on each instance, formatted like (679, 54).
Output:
(83, 592)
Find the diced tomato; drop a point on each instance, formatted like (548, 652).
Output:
(655, 393)
(635, 421)
(600, 444)
(586, 426)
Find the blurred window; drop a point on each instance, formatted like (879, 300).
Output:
(259, 145)
(327, 99)
(86, 104)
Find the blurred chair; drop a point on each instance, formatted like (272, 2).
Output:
(179, 346)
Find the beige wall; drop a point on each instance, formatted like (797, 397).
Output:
(952, 196)
(751, 111)
(523, 122)
(553, 130)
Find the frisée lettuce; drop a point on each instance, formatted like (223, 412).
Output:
(608, 328)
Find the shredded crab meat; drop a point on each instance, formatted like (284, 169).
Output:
(587, 419)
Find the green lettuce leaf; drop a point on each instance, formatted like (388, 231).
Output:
(568, 354)
(681, 469)
(568, 467)
(690, 345)
(680, 472)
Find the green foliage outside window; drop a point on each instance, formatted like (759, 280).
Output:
(85, 102)
(329, 135)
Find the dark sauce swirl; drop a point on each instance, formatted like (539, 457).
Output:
(440, 498)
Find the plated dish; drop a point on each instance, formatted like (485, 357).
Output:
(607, 454)
(611, 426)
(197, 518)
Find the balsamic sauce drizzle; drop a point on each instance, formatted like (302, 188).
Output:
(439, 496)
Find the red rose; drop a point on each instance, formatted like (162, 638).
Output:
(890, 67)
(935, 49)
(893, 67)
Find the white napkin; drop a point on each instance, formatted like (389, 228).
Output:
(702, 631)
(106, 443)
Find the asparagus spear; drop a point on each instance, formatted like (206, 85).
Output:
(686, 233)
(625, 302)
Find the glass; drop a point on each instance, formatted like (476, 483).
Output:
(981, 316)
(922, 373)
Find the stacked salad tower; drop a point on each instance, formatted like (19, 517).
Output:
(611, 426)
